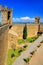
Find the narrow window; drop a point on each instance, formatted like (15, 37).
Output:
(8, 15)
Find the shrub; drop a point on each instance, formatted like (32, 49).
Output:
(39, 45)
(32, 52)
(39, 33)
(12, 55)
(26, 59)
(41, 41)
(25, 46)
(32, 39)
(25, 32)
(16, 52)
(20, 51)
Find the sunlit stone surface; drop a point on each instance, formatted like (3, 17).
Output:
(3, 44)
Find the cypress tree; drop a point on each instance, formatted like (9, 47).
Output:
(25, 32)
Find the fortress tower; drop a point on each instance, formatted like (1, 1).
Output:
(37, 20)
(6, 15)
(6, 21)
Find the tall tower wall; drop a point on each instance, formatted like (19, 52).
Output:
(6, 22)
(3, 44)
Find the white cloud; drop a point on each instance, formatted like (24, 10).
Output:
(23, 19)
(16, 19)
(27, 18)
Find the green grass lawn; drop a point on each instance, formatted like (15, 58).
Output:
(32, 39)
(12, 55)
(9, 60)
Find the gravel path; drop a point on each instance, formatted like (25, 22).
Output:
(37, 58)
(25, 54)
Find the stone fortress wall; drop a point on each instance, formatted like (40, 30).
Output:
(3, 44)
(32, 30)
(4, 28)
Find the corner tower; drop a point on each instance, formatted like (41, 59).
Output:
(6, 15)
(37, 20)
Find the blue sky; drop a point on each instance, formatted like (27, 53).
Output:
(25, 10)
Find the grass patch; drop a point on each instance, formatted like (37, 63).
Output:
(26, 59)
(12, 55)
(32, 52)
(41, 41)
(39, 45)
(20, 41)
(31, 39)
(25, 46)
(9, 60)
